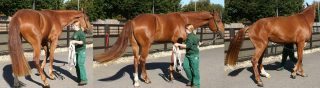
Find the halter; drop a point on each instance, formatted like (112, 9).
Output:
(215, 23)
(85, 20)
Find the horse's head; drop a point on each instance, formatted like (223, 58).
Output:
(84, 22)
(216, 24)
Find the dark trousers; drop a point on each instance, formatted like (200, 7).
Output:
(288, 50)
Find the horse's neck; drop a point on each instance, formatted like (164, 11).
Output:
(197, 20)
(66, 17)
(309, 15)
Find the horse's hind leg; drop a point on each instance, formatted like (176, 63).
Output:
(36, 49)
(261, 68)
(46, 50)
(143, 59)
(53, 46)
(171, 68)
(135, 48)
(17, 83)
(260, 47)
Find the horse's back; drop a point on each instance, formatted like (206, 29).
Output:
(32, 23)
(280, 29)
(159, 27)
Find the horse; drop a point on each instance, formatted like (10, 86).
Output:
(283, 30)
(146, 29)
(39, 29)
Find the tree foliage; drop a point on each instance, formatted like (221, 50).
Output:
(202, 5)
(252, 10)
(108, 9)
(9, 7)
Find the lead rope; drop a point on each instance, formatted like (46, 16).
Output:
(177, 64)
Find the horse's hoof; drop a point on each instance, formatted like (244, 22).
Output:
(170, 81)
(147, 81)
(46, 86)
(136, 85)
(53, 78)
(269, 76)
(19, 84)
(303, 75)
(260, 84)
(293, 76)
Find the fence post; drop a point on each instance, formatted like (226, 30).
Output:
(311, 41)
(201, 34)
(7, 26)
(231, 33)
(68, 34)
(106, 38)
(118, 29)
(214, 39)
(165, 47)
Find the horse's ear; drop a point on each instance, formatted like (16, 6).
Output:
(307, 4)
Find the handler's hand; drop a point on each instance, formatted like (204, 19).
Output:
(176, 44)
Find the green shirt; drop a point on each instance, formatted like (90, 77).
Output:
(192, 43)
(80, 36)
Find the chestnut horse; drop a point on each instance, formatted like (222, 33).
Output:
(39, 29)
(284, 29)
(146, 29)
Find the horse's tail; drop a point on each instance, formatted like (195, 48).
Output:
(20, 66)
(234, 47)
(119, 47)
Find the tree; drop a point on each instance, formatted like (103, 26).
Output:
(130, 8)
(252, 10)
(202, 5)
(9, 7)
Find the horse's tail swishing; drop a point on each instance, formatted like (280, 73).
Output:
(119, 47)
(20, 66)
(234, 47)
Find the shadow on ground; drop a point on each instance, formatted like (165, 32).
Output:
(149, 66)
(58, 71)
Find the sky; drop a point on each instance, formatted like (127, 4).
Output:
(221, 2)
(309, 1)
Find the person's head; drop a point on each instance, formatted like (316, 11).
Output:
(189, 28)
(76, 26)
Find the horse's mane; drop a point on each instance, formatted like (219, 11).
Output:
(198, 15)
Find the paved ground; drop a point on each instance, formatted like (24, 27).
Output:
(121, 75)
(243, 78)
(35, 82)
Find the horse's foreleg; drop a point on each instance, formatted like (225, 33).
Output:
(53, 46)
(143, 59)
(298, 66)
(36, 59)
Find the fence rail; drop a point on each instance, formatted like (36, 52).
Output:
(272, 49)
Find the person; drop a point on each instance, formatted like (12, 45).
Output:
(288, 50)
(79, 40)
(191, 60)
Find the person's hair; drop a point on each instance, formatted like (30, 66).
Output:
(188, 26)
